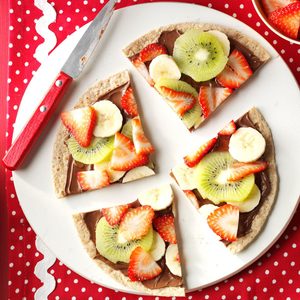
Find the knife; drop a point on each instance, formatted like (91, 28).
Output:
(71, 70)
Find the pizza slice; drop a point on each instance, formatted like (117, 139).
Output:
(136, 243)
(232, 180)
(101, 141)
(196, 67)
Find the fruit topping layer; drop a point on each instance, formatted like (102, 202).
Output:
(106, 142)
(284, 15)
(195, 71)
(139, 238)
(226, 179)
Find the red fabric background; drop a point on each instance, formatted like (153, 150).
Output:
(275, 276)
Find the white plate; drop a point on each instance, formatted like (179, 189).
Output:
(274, 91)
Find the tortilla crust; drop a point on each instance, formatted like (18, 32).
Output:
(153, 36)
(264, 211)
(60, 151)
(90, 247)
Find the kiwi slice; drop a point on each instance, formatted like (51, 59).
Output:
(108, 246)
(98, 150)
(127, 129)
(199, 55)
(193, 117)
(211, 179)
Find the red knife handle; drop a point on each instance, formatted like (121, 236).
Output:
(32, 130)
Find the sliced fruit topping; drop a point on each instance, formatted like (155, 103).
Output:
(185, 176)
(193, 118)
(272, 5)
(224, 222)
(222, 37)
(127, 129)
(199, 55)
(109, 119)
(81, 123)
(158, 198)
(151, 51)
(141, 67)
(212, 183)
(128, 103)
(124, 157)
(236, 72)
(158, 248)
(173, 260)
(247, 144)
(114, 214)
(193, 159)
(142, 266)
(211, 97)
(113, 174)
(109, 247)
(98, 150)
(140, 141)
(239, 170)
(287, 19)
(229, 129)
(206, 209)
(192, 197)
(181, 102)
(166, 228)
(136, 223)
(164, 66)
(92, 180)
(250, 202)
(138, 173)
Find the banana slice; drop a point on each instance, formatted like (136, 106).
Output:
(247, 144)
(137, 173)
(158, 247)
(113, 174)
(159, 198)
(172, 260)
(164, 66)
(222, 37)
(109, 119)
(250, 202)
(185, 176)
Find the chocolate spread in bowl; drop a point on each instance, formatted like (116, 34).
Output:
(164, 279)
(72, 186)
(261, 180)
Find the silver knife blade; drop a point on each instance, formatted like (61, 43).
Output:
(88, 42)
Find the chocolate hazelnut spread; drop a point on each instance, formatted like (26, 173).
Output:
(72, 185)
(164, 279)
(261, 180)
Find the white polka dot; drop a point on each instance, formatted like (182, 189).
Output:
(25, 281)
(11, 27)
(77, 27)
(73, 298)
(100, 290)
(274, 281)
(28, 246)
(232, 288)
(275, 42)
(286, 237)
(281, 290)
(295, 227)
(267, 272)
(275, 263)
(283, 272)
(209, 5)
(290, 281)
(85, 18)
(11, 11)
(27, 46)
(249, 15)
(250, 271)
(241, 6)
(35, 38)
(223, 297)
(60, 28)
(75, 281)
(68, 19)
(83, 289)
(10, 45)
(33, 289)
(216, 288)
(19, 273)
(56, 297)
(238, 297)
(107, 298)
(291, 60)
(85, 2)
(58, 280)
(241, 280)
(17, 291)
(226, 5)
(19, 20)
(66, 289)
(298, 69)
(94, 9)
(11, 265)
(27, 264)
(12, 247)
(27, 28)
(234, 15)
(257, 280)
(69, 3)
(266, 33)
(20, 255)
(248, 288)
(257, 24)
(21, 238)
(265, 289)
(10, 63)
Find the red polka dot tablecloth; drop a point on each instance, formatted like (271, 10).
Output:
(276, 275)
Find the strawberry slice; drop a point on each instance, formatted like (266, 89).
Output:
(239, 170)
(224, 222)
(114, 214)
(128, 103)
(166, 228)
(211, 97)
(124, 157)
(81, 123)
(140, 141)
(141, 67)
(192, 197)
(229, 129)
(272, 5)
(236, 71)
(92, 180)
(136, 223)
(142, 266)
(151, 51)
(287, 19)
(194, 158)
(181, 102)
